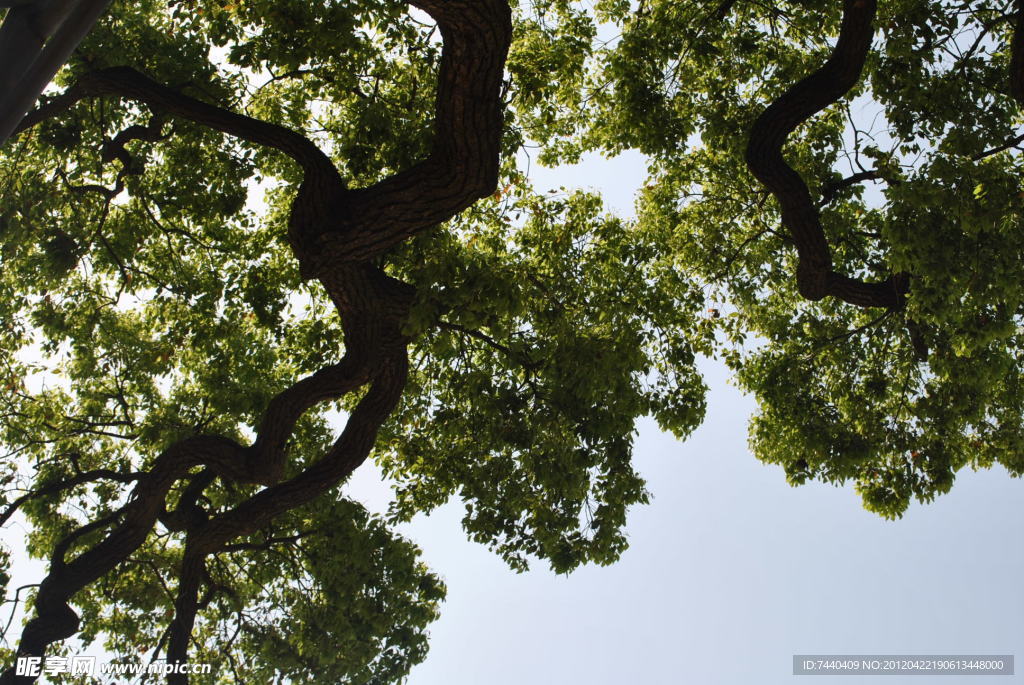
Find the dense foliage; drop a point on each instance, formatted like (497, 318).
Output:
(189, 295)
(915, 177)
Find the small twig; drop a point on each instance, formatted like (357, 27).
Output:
(1012, 142)
(14, 609)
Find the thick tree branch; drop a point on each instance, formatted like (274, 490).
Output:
(54, 619)
(266, 456)
(348, 452)
(463, 166)
(315, 207)
(815, 276)
(186, 604)
(359, 225)
(328, 224)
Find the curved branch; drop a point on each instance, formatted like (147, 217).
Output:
(54, 619)
(360, 225)
(373, 307)
(348, 453)
(128, 83)
(188, 514)
(60, 486)
(115, 148)
(816, 278)
(463, 165)
(329, 224)
(265, 459)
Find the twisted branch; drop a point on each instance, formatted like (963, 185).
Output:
(463, 165)
(335, 233)
(348, 453)
(815, 276)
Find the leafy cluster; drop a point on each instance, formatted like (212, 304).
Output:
(918, 171)
(550, 329)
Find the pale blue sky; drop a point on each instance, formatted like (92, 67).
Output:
(730, 572)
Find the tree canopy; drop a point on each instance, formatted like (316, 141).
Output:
(880, 330)
(231, 226)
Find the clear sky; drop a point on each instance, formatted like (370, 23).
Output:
(730, 570)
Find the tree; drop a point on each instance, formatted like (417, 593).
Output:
(183, 480)
(479, 339)
(880, 330)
